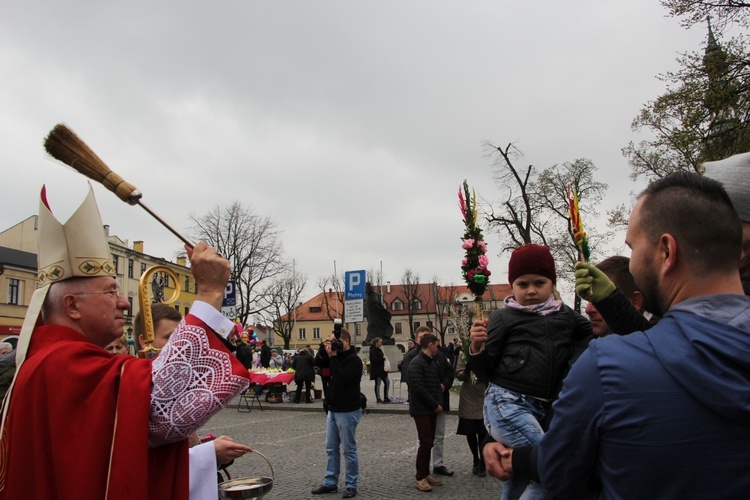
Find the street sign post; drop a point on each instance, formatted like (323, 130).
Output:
(229, 302)
(354, 296)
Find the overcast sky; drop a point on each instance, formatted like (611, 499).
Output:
(350, 123)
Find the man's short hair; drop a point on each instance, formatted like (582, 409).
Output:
(427, 339)
(345, 335)
(158, 313)
(698, 212)
(617, 269)
(421, 329)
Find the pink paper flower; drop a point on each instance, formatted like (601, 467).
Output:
(468, 243)
(483, 261)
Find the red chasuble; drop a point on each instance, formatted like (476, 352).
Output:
(70, 399)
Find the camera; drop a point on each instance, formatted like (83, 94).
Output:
(336, 343)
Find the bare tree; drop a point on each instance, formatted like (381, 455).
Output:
(411, 295)
(444, 298)
(332, 287)
(513, 220)
(252, 245)
(284, 299)
(535, 209)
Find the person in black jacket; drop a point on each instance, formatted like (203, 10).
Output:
(377, 370)
(425, 404)
(323, 363)
(265, 354)
(344, 414)
(304, 373)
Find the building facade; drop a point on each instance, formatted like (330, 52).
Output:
(425, 304)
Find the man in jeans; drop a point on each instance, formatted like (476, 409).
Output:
(344, 413)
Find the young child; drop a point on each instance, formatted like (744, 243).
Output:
(530, 345)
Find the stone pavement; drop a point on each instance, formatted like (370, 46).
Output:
(292, 437)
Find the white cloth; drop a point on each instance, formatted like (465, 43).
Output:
(203, 477)
(191, 381)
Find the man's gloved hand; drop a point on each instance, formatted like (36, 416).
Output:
(592, 284)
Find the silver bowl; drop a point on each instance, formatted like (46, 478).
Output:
(245, 488)
(248, 488)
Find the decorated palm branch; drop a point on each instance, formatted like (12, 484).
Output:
(474, 264)
(579, 233)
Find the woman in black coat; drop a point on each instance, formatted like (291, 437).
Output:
(377, 370)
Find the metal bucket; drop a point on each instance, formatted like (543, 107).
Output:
(247, 488)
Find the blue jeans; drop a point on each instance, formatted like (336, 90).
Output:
(341, 428)
(387, 384)
(513, 419)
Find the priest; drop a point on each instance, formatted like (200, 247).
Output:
(79, 423)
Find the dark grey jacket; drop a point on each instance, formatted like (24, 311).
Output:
(424, 385)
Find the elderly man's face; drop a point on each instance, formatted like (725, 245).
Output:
(101, 310)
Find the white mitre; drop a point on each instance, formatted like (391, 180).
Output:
(76, 249)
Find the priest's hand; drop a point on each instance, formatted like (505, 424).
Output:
(227, 450)
(211, 272)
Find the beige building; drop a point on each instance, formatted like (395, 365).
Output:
(19, 280)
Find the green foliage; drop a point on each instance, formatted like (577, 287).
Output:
(704, 114)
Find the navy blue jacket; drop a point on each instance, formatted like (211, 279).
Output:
(663, 413)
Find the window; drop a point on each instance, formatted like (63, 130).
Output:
(429, 323)
(14, 291)
(187, 310)
(416, 304)
(315, 309)
(397, 305)
(130, 300)
(302, 334)
(143, 268)
(187, 283)
(416, 325)
(130, 268)
(398, 328)
(116, 262)
(316, 333)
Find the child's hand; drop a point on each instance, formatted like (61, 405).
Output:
(478, 334)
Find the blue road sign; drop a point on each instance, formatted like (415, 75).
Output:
(354, 285)
(230, 295)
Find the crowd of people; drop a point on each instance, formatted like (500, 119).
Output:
(643, 398)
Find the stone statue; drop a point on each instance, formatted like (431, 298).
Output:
(378, 317)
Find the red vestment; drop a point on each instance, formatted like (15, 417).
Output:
(70, 398)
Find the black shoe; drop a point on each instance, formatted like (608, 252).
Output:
(442, 471)
(349, 493)
(310, 401)
(387, 400)
(482, 469)
(325, 489)
(475, 470)
(379, 400)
